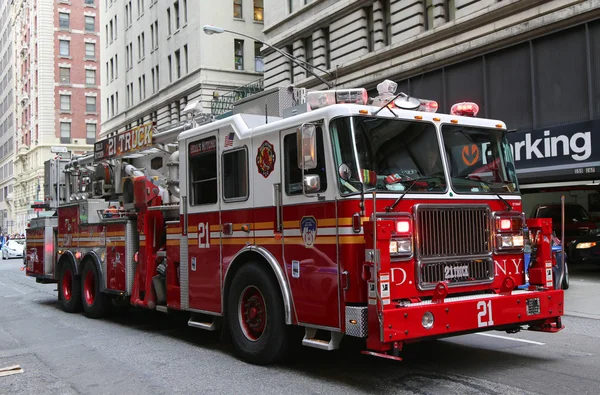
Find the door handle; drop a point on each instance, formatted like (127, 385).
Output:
(228, 229)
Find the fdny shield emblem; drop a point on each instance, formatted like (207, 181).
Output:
(265, 159)
(308, 228)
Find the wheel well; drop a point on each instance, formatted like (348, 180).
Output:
(66, 259)
(241, 260)
(90, 258)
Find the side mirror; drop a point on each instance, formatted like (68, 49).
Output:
(344, 172)
(307, 146)
(312, 183)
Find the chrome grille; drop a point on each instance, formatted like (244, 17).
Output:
(456, 272)
(444, 231)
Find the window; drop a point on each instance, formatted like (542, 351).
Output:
(116, 25)
(90, 24)
(237, 9)
(177, 64)
(90, 104)
(428, 20)
(112, 31)
(169, 21)
(90, 50)
(185, 56)
(450, 10)
(64, 20)
(64, 48)
(184, 12)
(235, 175)
(65, 102)
(90, 133)
(152, 37)
(293, 173)
(156, 34)
(258, 10)
(176, 12)
(153, 81)
(65, 75)
(90, 77)
(116, 66)
(259, 62)
(170, 69)
(290, 6)
(112, 69)
(65, 132)
(202, 156)
(239, 54)
(89, 2)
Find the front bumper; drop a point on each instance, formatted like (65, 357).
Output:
(475, 313)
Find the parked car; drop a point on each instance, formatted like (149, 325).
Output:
(13, 248)
(582, 235)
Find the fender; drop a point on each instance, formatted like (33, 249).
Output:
(94, 258)
(70, 259)
(284, 286)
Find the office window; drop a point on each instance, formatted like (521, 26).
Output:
(90, 24)
(239, 54)
(185, 11)
(152, 36)
(116, 27)
(107, 38)
(170, 69)
(89, 2)
(235, 175)
(65, 75)
(64, 48)
(112, 69)
(185, 56)
(202, 156)
(177, 64)
(169, 21)
(90, 104)
(127, 20)
(156, 34)
(65, 102)
(258, 10)
(112, 31)
(64, 20)
(90, 77)
(153, 81)
(90, 132)
(237, 9)
(90, 50)
(116, 66)
(428, 20)
(65, 132)
(176, 14)
(259, 62)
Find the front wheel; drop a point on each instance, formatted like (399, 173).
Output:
(69, 289)
(94, 301)
(256, 315)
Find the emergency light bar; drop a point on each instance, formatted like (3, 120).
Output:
(320, 99)
(466, 109)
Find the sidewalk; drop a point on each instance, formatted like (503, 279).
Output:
(582, 299)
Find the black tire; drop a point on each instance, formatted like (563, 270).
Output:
(565, 281)
(69, 295)
(95, 303)
(257, 281)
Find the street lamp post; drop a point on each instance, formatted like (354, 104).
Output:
(210, 30)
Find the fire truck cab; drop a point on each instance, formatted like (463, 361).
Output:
(379, 219)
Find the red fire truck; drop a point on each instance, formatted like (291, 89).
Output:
(373, 218)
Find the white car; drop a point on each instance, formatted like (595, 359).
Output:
(13, 249)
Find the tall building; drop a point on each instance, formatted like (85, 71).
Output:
(533, 64)
(7, 130)
(57, 101)
(156, 58)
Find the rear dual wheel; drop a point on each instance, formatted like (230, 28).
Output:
(69, 289)
(94, 302)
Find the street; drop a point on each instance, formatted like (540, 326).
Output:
(143, 352)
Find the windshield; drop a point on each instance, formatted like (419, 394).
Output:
(14, 243)
(480, 160)
(388, 155)
(573, 214)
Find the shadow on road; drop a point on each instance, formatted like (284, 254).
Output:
(585, 271)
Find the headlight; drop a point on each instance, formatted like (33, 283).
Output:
(512, 241)
(401, 247)
(581, 246)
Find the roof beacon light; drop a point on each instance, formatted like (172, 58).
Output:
(465, 109)
(320, 99)
(428, 105)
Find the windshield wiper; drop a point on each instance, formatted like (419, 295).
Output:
(412, 184)
(489, 185)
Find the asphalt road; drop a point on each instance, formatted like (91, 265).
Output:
(143, 352)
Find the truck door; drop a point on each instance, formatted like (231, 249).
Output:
(203, 224)
(237, 212)
(310, 234)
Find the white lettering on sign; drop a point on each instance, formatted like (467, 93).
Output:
(501, 266)
(578, 146)
(203, 235)
(456, 272)
(401, 273)
(484, 315)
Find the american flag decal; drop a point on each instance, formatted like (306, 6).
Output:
(229, 140)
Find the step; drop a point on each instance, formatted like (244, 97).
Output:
(310, 340)
(162, 309)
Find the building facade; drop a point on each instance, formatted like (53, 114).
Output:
(533, 64)
(7, 130)
(57, 100)
(156, 58)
